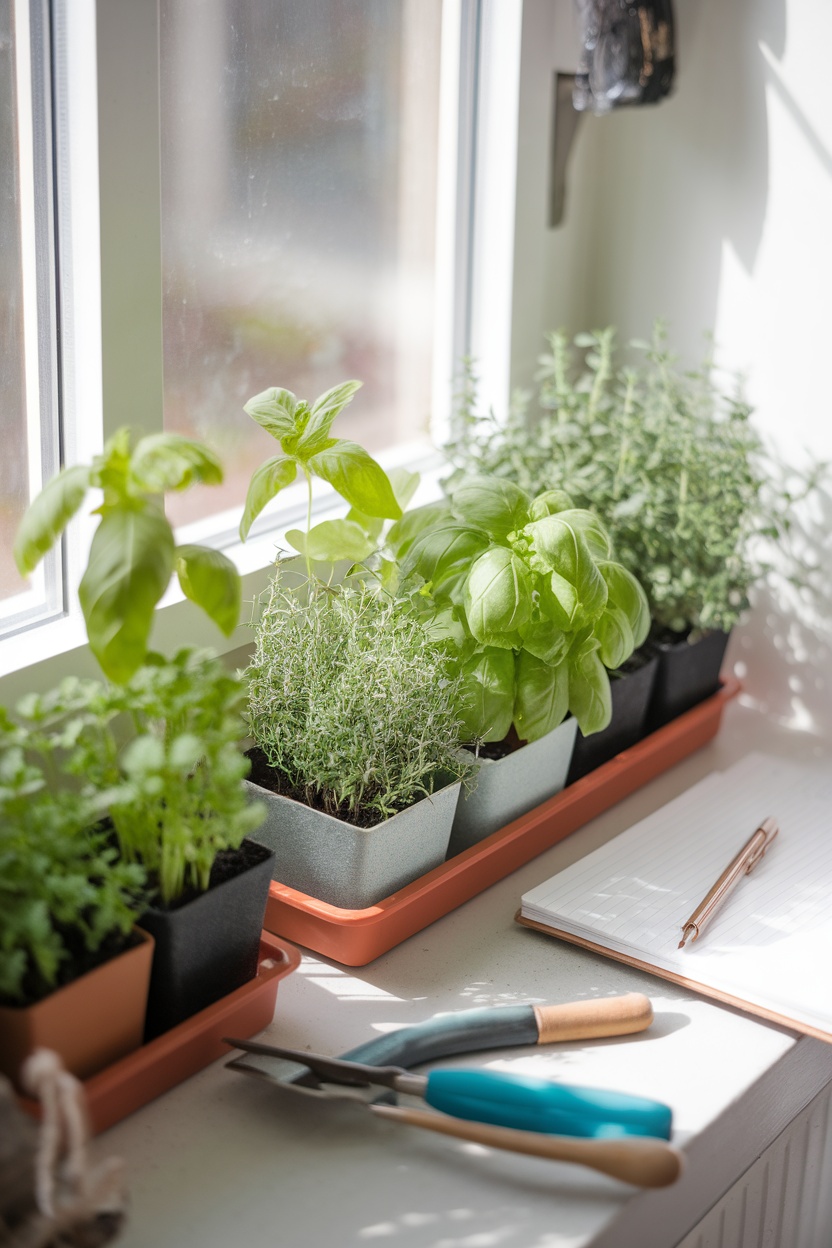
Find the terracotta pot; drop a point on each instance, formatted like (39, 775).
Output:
(209, 946)
(688, 673)
(90, 1023)
(354, 867)
(631, 694)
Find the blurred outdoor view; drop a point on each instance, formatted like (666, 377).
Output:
(14, 471)
(299, 152)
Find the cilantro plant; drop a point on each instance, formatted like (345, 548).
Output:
(351, 703)
(67, 899)
(174, 793)
(669, 460)
(133, 553)
(303, 432)
(526, 596)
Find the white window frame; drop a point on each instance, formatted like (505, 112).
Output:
(107, 81)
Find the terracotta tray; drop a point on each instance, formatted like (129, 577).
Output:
(156, 1067)
(355, 937)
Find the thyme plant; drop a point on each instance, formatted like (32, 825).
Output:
(670, 460)
(350, 702)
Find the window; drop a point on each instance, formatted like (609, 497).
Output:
(299, 203)
(224, 195)
(28, 362)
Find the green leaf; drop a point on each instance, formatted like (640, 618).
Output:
(357, 478)
(274, 410)
(130, 563)
(542, 697)
(404, 485)
(549, 504)
(612, 628)
(166, 461)
(48, 515)
(332, 540)
(322, 414)
(405, 531)
(591, 529)
(211, 580)
(545, 640)
(576, 584)
(626, 592)
(487, 698)
(590, 700)
(266, 482)
(491, 503)
(438, 551)
(498, 594)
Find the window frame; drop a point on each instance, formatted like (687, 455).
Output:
(110, 276)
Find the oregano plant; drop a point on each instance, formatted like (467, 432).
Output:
(133, 554)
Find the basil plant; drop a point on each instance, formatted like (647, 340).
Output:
(526, 594)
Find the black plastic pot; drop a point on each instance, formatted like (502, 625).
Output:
(631, 695)
(209, 946)
(688, 673)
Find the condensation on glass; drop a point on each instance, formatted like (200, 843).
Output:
(299, 182)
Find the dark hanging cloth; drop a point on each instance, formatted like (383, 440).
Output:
(627, 53)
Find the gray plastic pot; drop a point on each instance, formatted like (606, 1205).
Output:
(507, 788)
(348, 866)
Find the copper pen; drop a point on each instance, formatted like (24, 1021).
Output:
(745, 861)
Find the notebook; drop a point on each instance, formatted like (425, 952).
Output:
(768, 949)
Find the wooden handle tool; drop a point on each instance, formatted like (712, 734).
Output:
(637, 1160)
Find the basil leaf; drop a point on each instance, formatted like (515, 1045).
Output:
(437, 552)
(48, 515)
(211, 580)
(498, 594)
(322, 414)
(266, 482)
(404, 485)
(590, 700)
(404, 532)
(560, 547)
(612, 628)
(591, 529)
(542, 697)
(332, 540)
(166, 461)
(545, 640)
(357, 478)
(626, 592)
(549, 503)
(497, 506)
(130, 562)
(274, 410)
(487, 699)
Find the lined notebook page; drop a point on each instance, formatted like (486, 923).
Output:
(770, 944)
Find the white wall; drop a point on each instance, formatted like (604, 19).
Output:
(714, 211)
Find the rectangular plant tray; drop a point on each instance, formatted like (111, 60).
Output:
(156, 1067)
(355, 937)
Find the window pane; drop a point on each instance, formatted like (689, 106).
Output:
(14, 471)
(27, 334)
(299, 155)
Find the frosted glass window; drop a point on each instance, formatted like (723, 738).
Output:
(299, 180)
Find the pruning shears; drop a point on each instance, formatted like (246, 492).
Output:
(621, 1134)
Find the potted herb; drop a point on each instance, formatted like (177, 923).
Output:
(673, 465)
(526, 595)
(352, 711)
(174, 791)
(74, 971)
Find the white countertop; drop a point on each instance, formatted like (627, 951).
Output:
(223, 1159)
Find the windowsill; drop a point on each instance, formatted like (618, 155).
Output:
(38, 658)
